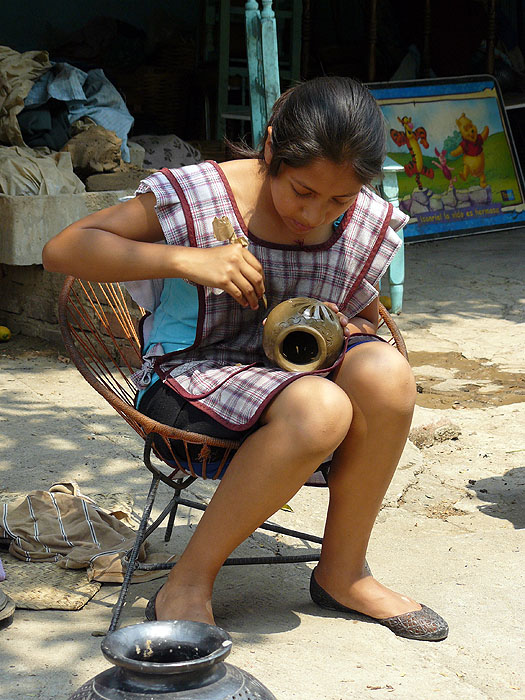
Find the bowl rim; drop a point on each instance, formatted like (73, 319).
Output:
(113, 647)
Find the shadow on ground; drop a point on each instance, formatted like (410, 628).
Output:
(504, 496)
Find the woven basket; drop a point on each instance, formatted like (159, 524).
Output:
(212, 150)
(177, 55)
(158, 94)
(45, 586)
(160, 91)
(166, 94)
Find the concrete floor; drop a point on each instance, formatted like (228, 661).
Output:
(450, 533)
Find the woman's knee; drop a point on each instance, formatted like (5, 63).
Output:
(376, 373)
(315, 412)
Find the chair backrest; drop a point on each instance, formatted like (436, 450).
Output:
(99, 323)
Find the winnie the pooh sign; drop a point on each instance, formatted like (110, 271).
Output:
(460, 171)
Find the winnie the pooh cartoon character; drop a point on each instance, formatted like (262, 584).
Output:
(471, 147)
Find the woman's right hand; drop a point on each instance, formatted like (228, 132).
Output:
(229, 267)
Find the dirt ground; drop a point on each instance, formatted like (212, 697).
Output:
(450, 380)
(450, 532)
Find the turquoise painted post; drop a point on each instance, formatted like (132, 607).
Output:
(263, 63)
(396, 272)
(270, 54)
(255, 69)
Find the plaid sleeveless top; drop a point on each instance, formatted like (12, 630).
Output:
(225, 372)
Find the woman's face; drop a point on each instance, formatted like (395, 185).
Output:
(312, 197)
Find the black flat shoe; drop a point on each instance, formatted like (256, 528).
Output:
(150, 613)
(424, 625)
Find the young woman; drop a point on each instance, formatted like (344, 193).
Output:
(312, 228)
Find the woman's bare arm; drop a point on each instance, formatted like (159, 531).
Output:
(367, 321)
(118, 244)
(114, 244)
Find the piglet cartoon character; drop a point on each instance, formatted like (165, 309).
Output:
(447, 172)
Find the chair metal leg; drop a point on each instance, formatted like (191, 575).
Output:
(173, 513)
(171, 520)
(314, 555)
(265, 526)
(170, 510)
(134, 554)
(144, 531)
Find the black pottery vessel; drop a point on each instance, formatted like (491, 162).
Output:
(178, 660)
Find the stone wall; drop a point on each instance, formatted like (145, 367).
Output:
(29, 305)
(29, 301)
(425, 201)
(28, 293)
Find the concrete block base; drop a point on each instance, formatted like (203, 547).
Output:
(27, 223)
(29, 294)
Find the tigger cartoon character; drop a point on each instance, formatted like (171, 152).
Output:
(410, 137)
(472, 149)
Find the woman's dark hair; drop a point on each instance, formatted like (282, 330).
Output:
(334, 118)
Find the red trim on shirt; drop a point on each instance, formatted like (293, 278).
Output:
(371, 256)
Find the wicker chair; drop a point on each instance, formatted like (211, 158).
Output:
(99, 323)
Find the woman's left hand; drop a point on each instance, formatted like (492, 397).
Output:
(344, 320)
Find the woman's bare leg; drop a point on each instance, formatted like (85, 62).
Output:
(382, 390)
(302, 426)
